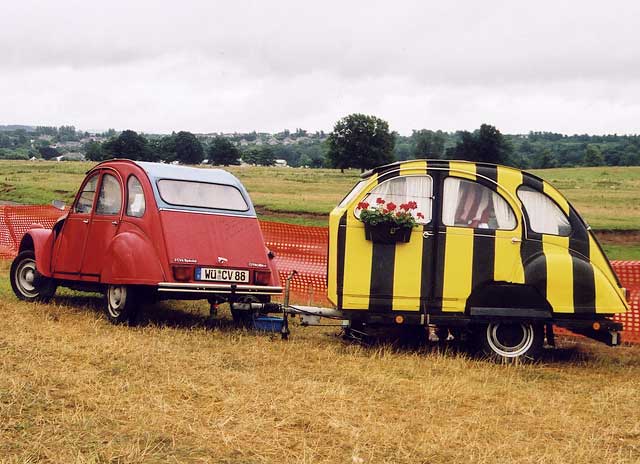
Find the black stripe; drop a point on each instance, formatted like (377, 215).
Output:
(531, 247)
(440, 239)
(584, 285)
(490, 172)
(382, 271)
(484, 257)
(342, 238)
(428, 249)
(382, 268)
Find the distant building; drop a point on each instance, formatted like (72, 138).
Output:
(281, 163)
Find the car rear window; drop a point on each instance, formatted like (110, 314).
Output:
(201, 195)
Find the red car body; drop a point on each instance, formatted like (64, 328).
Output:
(179, 231)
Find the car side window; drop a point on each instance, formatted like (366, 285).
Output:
(545, 216)
(85, 200)
(470, 204)
(110, 197)
(136, 204)
(402, 190)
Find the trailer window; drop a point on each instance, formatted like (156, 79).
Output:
(545, 216)
(469, 204)
(201, 195)
(404, 189)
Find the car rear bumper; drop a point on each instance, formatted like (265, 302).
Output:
(216, 289)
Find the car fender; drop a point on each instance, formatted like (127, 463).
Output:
(132, 259)
(40, 240)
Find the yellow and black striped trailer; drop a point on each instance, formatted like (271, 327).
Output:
(497, 250)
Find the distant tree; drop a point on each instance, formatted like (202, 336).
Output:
(93, 151)
(48, 152)
(188, 148)
(593, 156)
(544, 160)
(163, 148)
(129, 144)
(266, 157)
(486, 144)
(223, 152)
(429, 144)
(360, 141)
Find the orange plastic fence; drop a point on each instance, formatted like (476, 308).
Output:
(300, 248)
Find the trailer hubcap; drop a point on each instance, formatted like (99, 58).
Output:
(510, 340)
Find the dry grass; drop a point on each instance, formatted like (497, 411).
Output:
(74, 388)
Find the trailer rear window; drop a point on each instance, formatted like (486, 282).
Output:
(201, 195)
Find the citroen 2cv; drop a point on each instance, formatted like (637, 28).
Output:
(497, 253)
(151, 229)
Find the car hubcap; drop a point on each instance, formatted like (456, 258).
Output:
(117, 296)
(26, 276)
(510, 340)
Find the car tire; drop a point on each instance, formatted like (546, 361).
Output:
(27, 283)
(511, 341)
(121, 304)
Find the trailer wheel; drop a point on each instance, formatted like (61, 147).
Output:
(27, 283)
(121, 305)
(511, 341)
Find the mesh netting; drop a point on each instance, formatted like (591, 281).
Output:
(300, 248)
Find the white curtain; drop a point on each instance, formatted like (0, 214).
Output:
(544, 215)
(450, 204)
(503, 212)
(404, 189)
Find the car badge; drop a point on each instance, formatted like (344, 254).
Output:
(222, 260)
(185, 260)
(260, 265)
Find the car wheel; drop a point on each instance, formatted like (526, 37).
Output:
(121, 305)
(511, 341)
(27, 283)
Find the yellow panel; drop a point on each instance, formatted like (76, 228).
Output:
(609, 297)
(407, 277)
(458, 267)
(508, 261)
(463, 169)
(559, 273)
(332, 280)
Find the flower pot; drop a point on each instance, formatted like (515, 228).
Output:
(387, 233)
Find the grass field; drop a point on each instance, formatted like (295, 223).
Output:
(75, 389)
(608, 197)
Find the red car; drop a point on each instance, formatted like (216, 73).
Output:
(143, 230)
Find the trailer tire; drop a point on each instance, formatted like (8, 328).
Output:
(509, 341)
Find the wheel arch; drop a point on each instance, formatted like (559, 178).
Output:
(504, 299)
(40, 241)
(129, 256)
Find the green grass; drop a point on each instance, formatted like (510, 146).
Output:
(622, 252)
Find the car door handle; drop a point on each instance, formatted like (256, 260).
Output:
(515, 240)
(115, 223)
(427, 234)
(85, 221)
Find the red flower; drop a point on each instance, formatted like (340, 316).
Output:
(405, 206)
(420, 215)
(380, 201)
(363, 205)
(391, 206)
(412, 205)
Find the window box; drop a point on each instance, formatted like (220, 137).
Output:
(387, 233)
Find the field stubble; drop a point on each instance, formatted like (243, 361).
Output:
(74, 388)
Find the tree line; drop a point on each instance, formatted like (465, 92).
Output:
(357, 141)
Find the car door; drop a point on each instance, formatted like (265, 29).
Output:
(391, 277)
(103, 224)
(70, 245)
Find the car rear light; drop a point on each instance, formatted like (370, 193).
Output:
(262, 277)
(182, 273)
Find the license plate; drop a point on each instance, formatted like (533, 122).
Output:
(222, 275)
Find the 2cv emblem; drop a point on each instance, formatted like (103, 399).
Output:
(222, 260)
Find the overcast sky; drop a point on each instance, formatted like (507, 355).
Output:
(208, 66)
